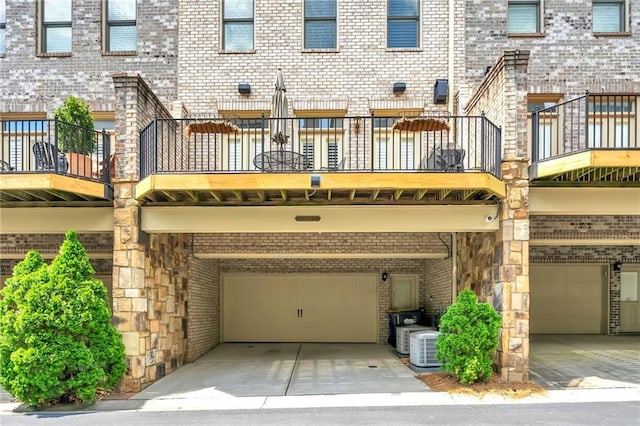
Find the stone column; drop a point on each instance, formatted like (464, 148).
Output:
(510, 293)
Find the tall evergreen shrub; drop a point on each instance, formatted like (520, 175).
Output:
(469, 335)
(57, 343)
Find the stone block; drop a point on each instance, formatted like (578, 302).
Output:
(522, 283)
(131, 292)
(515, 344)
(122, 304)
(521, 229)
(137, 367)
(154, 326)
(150, 357)
(131, 342)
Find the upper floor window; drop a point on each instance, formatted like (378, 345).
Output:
(609, 16)
(524, 17)
(237, 20)
(120, 26)
(56, 26)
(3, 26)
(403, 19)
(320, 24)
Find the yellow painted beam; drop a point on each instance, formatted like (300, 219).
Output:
(329, 181)
(57, 220)
(50, 181)
(584, 201)
(595, 158)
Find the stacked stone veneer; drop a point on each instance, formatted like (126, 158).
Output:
(39, 83)
(140, 281)
(496, 266)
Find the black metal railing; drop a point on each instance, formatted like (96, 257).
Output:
(588, 122)
(319, 144)
(53, 146)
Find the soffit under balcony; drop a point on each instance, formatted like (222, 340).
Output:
(413, 188)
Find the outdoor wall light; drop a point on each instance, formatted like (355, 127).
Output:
(385, 275)
(244, 88)
(399, 87)
(315, 181)
(617, 266)
(440, 91)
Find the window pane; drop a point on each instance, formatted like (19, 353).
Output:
(57, 11)
(403, 7)
(3, 11)
(523, 18)
(122, 10)
(238, 36)
(403, 34)
(320, 34)
(607, 18)
(122, 38)
(234, 9)
(3, 47)
(319, 8)
(58, 40)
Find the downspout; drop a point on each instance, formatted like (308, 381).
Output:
(454, 266)
(451, 59)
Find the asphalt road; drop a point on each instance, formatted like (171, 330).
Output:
(604, 413)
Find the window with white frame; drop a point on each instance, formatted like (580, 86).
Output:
(20, 132)
(240, 149)
(55, 26)
(612, 121)
(403, 23)
(547, 130)
(120, 25)
(321, 142)
(320, 24)
(395, 150)
(609, 16)
(523, 17)
(3, 27)
(237, 20)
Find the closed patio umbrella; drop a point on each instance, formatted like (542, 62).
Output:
(279, 112)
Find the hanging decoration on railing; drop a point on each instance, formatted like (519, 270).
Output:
(420, 124)
(218, 126)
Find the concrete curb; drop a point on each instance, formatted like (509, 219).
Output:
(186, 402)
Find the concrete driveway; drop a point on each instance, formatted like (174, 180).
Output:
(285, 369)
(584, 361)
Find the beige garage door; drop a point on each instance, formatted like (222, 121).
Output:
(566, 299)
(299, 308)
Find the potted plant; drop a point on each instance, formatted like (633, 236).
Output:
(76, 137)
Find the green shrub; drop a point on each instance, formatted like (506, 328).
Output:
(469, 334)
(57, 343)
(75, 127)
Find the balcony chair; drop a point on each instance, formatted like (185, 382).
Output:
(48, 157)
(449, 160)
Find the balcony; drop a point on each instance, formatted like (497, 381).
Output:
(320, 160)
(36, 170)
(589, 141)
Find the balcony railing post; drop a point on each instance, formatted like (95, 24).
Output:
(262, 141)
(372, 140)
(106, 156)
(535, 118)
(155, 148)
(586, 119)
(55, 143)
(497, 168)
(483, 130)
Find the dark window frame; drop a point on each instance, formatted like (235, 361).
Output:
(405, 18)
(318, 19)
(538, 6)
(45, 25)
(117, 23)
(226, 21)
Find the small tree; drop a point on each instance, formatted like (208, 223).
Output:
(469, 334)
(57, 343)
(75, 127)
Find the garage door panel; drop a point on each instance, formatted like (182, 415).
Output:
(566, 299)
(300, 308)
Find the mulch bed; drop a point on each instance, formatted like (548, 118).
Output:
(442, 382)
